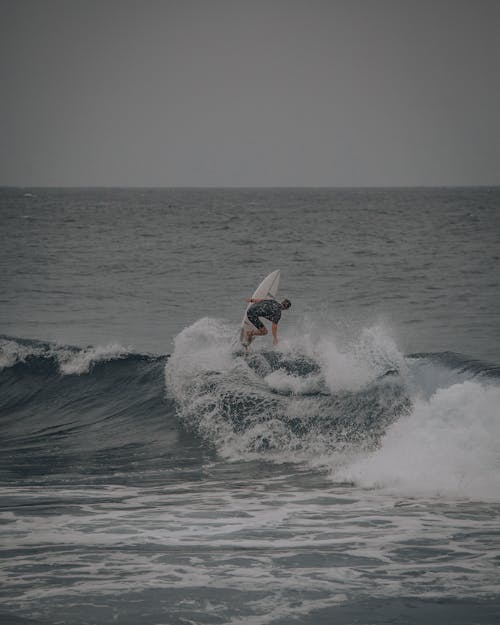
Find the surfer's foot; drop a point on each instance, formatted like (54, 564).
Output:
(246, 340)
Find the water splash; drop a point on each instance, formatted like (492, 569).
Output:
(421, 424)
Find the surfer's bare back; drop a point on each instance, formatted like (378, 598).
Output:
(269, 309)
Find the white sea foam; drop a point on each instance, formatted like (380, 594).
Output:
(71, 361)
(286, 383)
(12, 352)
(277, 405)
(443, 441)
(369, 355)
(79, 362)
(266, 536)
(447, 445)
(347, 365)
(201, 347)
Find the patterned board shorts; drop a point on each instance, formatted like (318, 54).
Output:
(254, 320)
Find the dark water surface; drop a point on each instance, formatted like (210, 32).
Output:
(88, 266)
(151, 474)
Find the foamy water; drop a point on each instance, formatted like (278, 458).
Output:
(446, 446)
(442, 442)
(328, 543)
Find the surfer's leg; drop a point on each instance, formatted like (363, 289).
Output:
(246, 343)
(250, 334)
(259, 329)
(260, 332)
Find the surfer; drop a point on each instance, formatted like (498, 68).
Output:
(269, 309)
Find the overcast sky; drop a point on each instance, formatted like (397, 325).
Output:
(249, 93)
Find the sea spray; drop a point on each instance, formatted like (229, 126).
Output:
(446, 446)
(280, 404)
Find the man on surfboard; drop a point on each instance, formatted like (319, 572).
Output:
(269, 309)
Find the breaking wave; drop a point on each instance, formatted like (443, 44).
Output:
(361, 411)
(425, 423)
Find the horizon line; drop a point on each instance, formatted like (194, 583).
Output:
(257, 187)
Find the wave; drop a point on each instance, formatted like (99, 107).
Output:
(76, 412)
(363, 411)
(424, 423)
(69, 360)
(447, 444)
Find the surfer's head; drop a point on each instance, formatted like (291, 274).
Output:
(286, 303)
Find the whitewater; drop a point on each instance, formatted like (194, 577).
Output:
(152, 473)
(425, 424)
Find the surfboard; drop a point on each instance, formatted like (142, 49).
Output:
(267, 289)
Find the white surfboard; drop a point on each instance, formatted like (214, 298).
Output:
(267, 289)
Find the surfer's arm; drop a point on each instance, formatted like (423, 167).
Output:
(274, 329)
(250, 300)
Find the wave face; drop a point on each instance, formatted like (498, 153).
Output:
(86, 414)
(421, 424)
(364, 412)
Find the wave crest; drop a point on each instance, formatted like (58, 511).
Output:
(427, 423)
(270, 404)
(69, 360)
(447, 445)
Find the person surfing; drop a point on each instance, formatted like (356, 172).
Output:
(269, 309)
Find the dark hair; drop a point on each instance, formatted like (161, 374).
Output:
(286, 303)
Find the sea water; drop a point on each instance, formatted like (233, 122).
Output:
(153, 474)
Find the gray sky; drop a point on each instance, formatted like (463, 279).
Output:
(254, 93)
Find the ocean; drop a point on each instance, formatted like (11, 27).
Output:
(153, 474)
